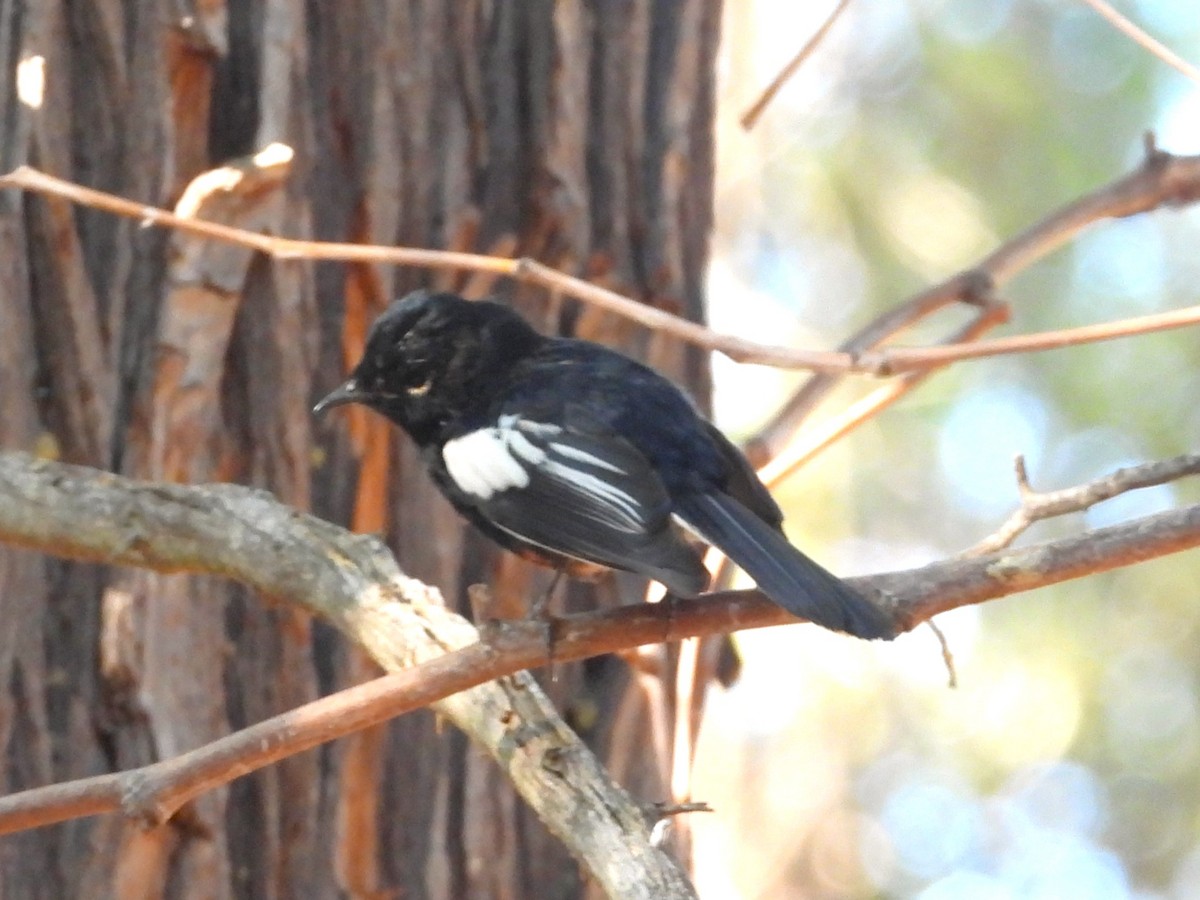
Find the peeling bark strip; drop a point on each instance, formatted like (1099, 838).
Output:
(166, 639)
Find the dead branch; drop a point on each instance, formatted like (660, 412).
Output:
(1038, 505)
(1162, 180)
(352, 581)
(751, 116)
(894, 360)
(807, 443)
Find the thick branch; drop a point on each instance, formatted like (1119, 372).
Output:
(352, 581)
(82, 513)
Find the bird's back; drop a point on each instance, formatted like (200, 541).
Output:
(587, 386)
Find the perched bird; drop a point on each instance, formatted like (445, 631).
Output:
(579, 458)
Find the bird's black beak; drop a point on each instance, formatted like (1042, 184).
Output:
(348, 392)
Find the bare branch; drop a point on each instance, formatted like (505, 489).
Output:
(947, 654)
(779, 437)
(751, 116)
(523, 270)
(353, 582)
(1036, 505)
(245, 534)
(156, 792)
(806, 444)
(1163, 180)
(894, 360)
(1140, 37)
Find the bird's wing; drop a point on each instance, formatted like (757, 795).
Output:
(742, 483)
(583, 492)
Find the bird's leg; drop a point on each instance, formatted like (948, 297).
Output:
(539, 609)
(540, 605)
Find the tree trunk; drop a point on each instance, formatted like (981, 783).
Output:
(576, 133)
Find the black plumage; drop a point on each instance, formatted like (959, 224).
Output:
(576, 456)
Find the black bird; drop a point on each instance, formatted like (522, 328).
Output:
(580, 458)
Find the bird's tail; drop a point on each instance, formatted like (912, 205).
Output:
(781, 571)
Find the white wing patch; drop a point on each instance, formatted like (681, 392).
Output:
(484, 462)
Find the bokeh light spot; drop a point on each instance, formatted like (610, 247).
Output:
(1088, 55)
(935, 224)
(932, 828)
(985, 429)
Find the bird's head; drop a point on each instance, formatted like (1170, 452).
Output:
(426, 359)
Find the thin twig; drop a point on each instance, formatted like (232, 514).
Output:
(809, 442)
(1139, 36)
(521, 269)
(1161, 181)
(687, 668)
(973, 287)
(1038, 505)
(751, 116)
(947, 654)
(894, 360)
(661, 810)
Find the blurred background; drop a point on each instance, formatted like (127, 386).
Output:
(1067, 761)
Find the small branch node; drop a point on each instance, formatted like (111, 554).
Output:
(977, 287)
(482, 603)
(874, 362)
(663, 810)
(554, 761)
(141, 800)
(1024, 489)
(1155, 158)
(662, 815)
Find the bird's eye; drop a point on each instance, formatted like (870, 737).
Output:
(420, 390)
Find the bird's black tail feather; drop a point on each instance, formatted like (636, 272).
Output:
(781, 571)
